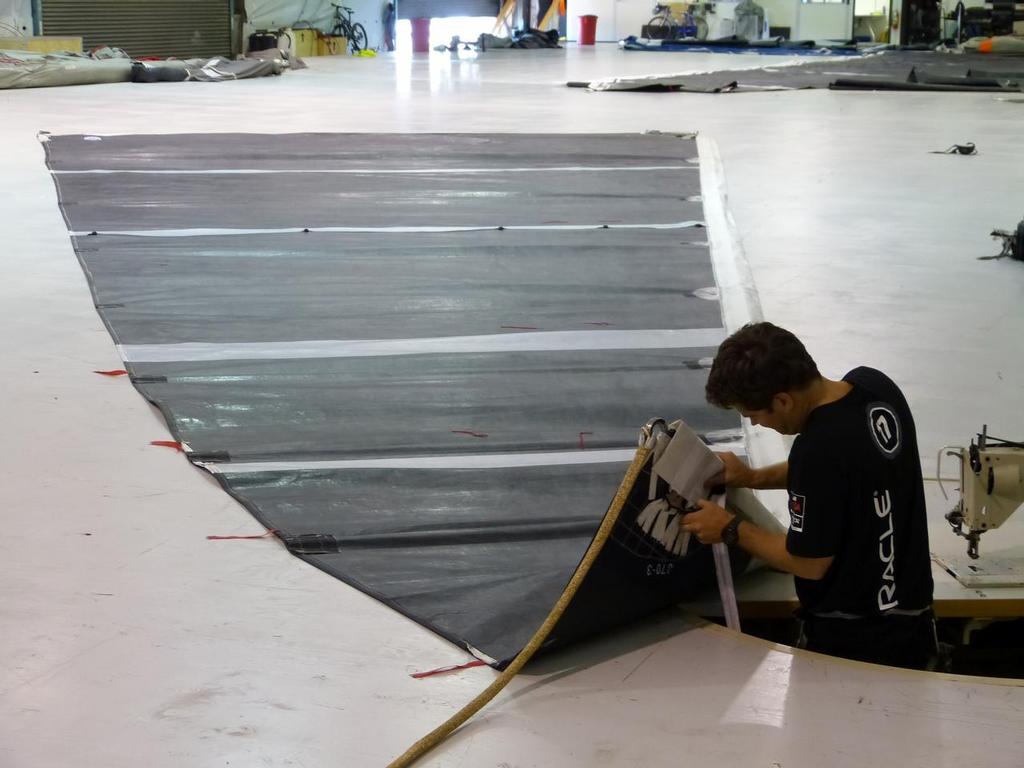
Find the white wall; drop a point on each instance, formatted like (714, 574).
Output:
(16, 14)
(603, 9)
(781, 13)
(274, 14)
(868, 7)
(630, 16)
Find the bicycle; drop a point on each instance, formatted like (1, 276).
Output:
(667, 24)
(343, 27)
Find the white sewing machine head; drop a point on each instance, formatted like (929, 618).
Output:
(991, 486)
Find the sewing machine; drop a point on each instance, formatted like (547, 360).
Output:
(991, 486)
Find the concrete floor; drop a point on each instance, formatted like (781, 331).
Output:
(129, 639)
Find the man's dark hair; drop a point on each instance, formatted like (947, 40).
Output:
(756, 363)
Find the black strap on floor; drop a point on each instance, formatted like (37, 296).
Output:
(967, 148)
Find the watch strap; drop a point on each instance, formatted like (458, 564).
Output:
(731, 532)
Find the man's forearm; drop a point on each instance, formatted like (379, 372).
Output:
(771, 547)
(709, 520)
(770, 477)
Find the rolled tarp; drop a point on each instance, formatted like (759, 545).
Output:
(23, 69)
(1008, 45)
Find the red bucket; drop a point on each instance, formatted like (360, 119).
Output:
(420, 35)
(588, 29)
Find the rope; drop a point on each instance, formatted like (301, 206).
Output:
(439, 734)
(451, 668)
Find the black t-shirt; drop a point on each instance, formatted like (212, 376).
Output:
(856, 494)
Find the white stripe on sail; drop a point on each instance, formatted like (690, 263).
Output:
(222, 231)
(381, 171)
(462, 461)
(542, 341)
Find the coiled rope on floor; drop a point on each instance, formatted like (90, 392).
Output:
(439, 734)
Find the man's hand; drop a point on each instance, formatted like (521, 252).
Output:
(708, 521)
(735, 474)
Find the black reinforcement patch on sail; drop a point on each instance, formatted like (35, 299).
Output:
(433, 395)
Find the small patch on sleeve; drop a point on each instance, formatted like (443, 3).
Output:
(884, 425)
(797, 505)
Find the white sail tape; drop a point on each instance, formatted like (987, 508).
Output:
(383, 171)
(222, 231)
(542, 341)
(462, 461)
(741, 304)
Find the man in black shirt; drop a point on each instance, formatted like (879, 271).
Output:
(858, 539)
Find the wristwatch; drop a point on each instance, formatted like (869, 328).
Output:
(731, 532)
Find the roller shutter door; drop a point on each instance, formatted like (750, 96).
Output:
(180, 28)
(432, 9)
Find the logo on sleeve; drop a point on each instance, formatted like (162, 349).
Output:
(797, 503)
(884, 428)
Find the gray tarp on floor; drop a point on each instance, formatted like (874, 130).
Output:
(891, 70)
(24, 69)
(213, 70)
(477, 554)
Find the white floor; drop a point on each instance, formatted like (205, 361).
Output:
(128, 639)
